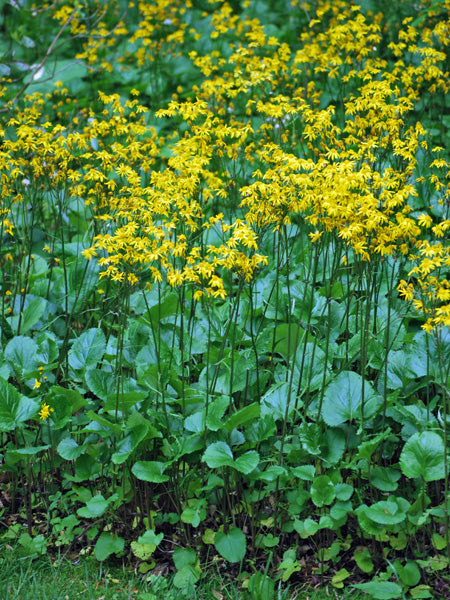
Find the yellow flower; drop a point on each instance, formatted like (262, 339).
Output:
(37, 384)
(45, 411)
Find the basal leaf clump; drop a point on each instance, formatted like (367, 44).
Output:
(225, 294)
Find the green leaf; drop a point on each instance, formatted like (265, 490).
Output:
(305, 472)
(188, 568)
(21, 352)
(385, 478)
(306, 528)
(287, 339)
(326, 522)
(124, 402)
(363, 559)
(142, 551)
(32, 547)
(243, 416)
(261, 430)
(104, 422)
(270, 541)
(184, 557)
(72, 397)
(218, 454)
(232, 545)
(15, 409)
(195, 512)
(340, 510)
(423, 456)
(338, 579)
(5, 70)
(311, 363)
(69, 449)
(409, 574)
(333, 445)
(150, 537)
(420, 591)
(343, 491)
(86, 468)
(107, 544)
(48, 350)
(186, 577)
(322, 491)
(261, 586)
(343, 398)
(87, 350)
(368, 447)
(272, 473)
(127, 445)
(146, 544)
(16, 454)
(65, 403)
(289, 565)
(381, 590)
(216, 410)
(311, 437)
(161, 310)
(439, 542)
(95, 507)
(274, 402)
(386, 512)
(150, 470)
(32, 313)
(247, 462)
(100, 383)
(367, 524)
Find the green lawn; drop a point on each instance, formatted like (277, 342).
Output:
(24, 578)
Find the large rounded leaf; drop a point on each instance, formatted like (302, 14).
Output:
(87, 350)
(322, 491)
(15, 409)
(343, 398)
(218, 454)
(107, 544)
(246, 463)
(386, 512)
(423, 456)
(232, 545)
(69, 449)
(150, 470)
(21, 352)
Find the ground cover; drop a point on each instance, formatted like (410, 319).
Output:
(225, 297)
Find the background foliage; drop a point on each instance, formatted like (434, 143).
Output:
(225, 296)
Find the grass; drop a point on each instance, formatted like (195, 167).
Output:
(25, 578)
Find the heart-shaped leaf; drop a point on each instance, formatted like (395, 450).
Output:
(423, 456)
(108, 544)
(343, 399)
(232, 545)
(322, 491)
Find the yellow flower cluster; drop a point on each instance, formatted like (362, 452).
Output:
(45, 411)
(320, 132)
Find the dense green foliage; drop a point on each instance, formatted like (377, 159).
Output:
(225, 299)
